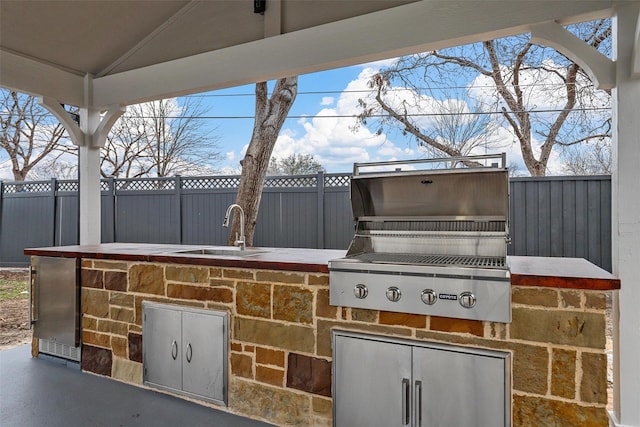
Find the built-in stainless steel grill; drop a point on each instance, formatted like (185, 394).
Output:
(430, 239)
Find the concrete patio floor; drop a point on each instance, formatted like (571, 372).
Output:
(43, 392)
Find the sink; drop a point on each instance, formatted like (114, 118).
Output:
(221, 251)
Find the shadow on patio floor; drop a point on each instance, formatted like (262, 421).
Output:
(40, 392)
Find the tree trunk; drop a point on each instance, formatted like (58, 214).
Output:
(270, 116)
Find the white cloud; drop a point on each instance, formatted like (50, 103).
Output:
(327, 100)
(228, 170)
(503, 141)
(332, 137)
(378, 65)
(5, 170)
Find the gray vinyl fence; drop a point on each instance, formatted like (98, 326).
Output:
(551, 216)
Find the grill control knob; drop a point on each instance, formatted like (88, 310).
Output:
(429, 296)
(393, 294)
(360, 291)
(467, 299)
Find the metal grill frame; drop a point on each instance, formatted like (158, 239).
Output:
(428, 243)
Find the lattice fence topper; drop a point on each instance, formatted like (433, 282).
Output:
(337, 180)
(29, 187)
(145, 184)
(306, 181)
(291, 181)
(205, 183)
(186, 183)
(69, 185)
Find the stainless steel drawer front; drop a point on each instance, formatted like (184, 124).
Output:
(380, 381)
(162, 357)
(185, 350)
(55, 305)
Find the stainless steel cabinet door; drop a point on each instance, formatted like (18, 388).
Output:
(453, 388)
(372, 383)
(162, 346)
(204, 361)
(54, 300)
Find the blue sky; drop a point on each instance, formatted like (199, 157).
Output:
(308, 130)
(321, 123)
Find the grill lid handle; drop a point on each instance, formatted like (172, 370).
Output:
(502, 158)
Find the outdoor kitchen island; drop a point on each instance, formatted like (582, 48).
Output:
(280, 322)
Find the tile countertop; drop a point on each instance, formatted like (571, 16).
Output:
(576, 273)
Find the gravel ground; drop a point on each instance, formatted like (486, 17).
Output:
(14, 313)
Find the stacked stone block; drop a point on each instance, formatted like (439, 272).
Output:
(280, 338)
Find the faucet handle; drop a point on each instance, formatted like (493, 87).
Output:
(240, 242)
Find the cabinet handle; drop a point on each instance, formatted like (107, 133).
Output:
(189, 353)
(174, 350)
(418, 403)
(34, 304)
(406, 390)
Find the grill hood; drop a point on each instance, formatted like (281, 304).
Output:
(431, 207)
(455, 193)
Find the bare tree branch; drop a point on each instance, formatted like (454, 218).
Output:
(160, 138)
(523, 76)
(28, 133)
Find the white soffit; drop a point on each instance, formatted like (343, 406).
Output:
(142, 50)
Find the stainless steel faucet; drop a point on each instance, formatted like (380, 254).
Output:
(240, 241)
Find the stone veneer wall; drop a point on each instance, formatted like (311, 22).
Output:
(280, 338)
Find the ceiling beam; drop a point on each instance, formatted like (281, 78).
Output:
(273, 18)
(411, 28)
(37, 78)
(155, 33)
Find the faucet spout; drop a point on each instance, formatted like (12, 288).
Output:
(240, 241)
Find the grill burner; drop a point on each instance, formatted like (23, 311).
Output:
(430, 241)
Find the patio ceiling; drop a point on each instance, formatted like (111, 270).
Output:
(107, 37)
(99, 54)
(140, 50)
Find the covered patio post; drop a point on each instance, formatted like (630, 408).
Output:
(626, 217)
(89, 194)
(89, 135)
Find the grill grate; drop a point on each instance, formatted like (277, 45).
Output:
(439, 260)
